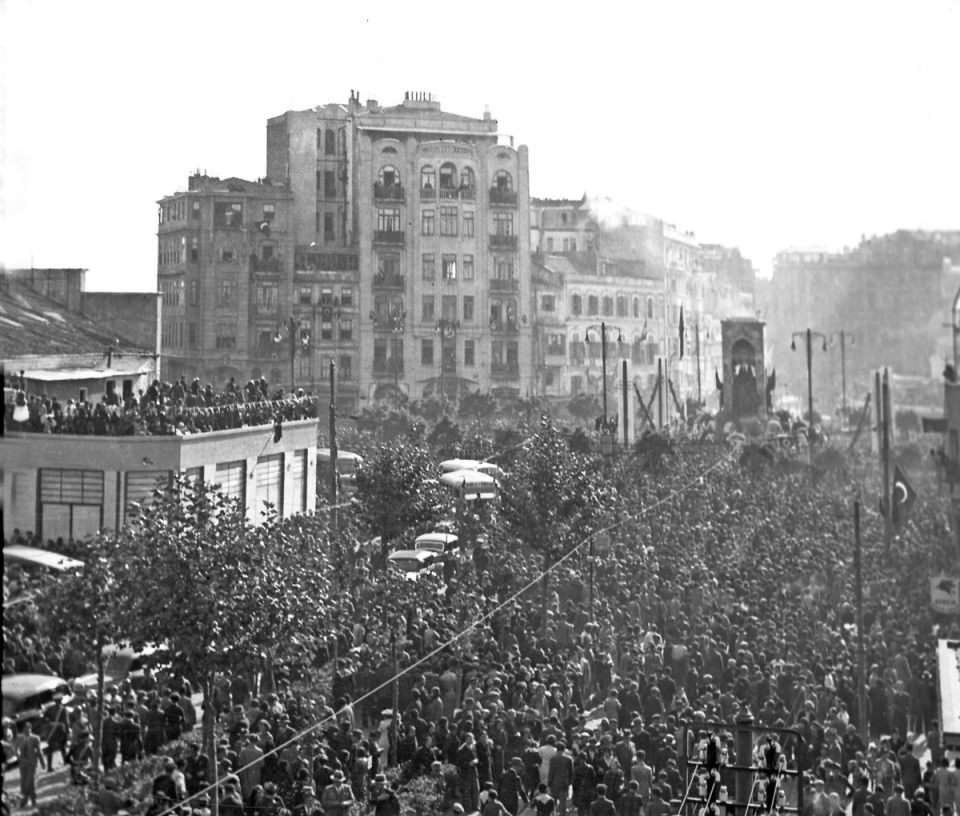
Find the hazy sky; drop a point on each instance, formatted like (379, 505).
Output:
(758, 124)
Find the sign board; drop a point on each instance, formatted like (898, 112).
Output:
(945, 594)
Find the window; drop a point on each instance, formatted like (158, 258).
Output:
(326, 323)
(607, 306)
(388, 267)
(650, 307)
(329, 184)
(232, 478)
(330, 143)
(576, 384)
(467, 270)
(71, 502)
(548, 303)
(388, 177)
(428, 221)
(428, 178)
(329, 229)
(448, 176)
(226, 293)
(266, 252)
(593, 305)
(305, 295)
(226, 336)
(513, 353)
(467, 179)
(469, 353)
(379, 354)
(195, 211)
(427, 311)
(448, 307)
(346, 328)
(496, 352)
(549, 244)
(172, 292)
(556, 343)
(504, 268)
(346, 296)
(503, 223)
(468, 308)
(346, 367)
(496, 315)
(426, 352)
(388, 219)
(576, 305)
(563, 218)
(298, 481)
(227, 213)
(326, 296)
(226, 255)
(429, 266)
(269, 478)
(468, 225)
(194, 249)
(621, 306)
(636, 307)
(503, 181)
(269, 211)
(448, 220)
(267, 297)
(448, 267)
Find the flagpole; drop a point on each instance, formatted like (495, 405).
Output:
(885, 454)
(861, 655)
(699, 391)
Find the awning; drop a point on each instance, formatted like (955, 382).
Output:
(69, 374)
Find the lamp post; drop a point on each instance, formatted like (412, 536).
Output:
(808, 336)
(447, 328)
(843, 337)
(956, 328)
(296, 336)
(603, 328)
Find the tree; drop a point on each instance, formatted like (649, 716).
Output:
(85, 607)
(398, 491)
(584, 406)
(477, 405)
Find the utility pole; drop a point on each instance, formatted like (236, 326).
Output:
(603, 363)
(334, 514)
(807, 336)
(660, 392)
(861, 655)
(395, 719)
(625, 417)
(592, 593)
(843, 336)
(885, 453)
(699, 388)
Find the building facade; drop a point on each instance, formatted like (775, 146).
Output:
(65, 486)
(435, 210)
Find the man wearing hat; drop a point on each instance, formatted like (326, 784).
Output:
(231, 802)
(164, 783)
(383, 799)
(337, 797)
(512, 791)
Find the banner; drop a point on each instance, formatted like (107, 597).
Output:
(945, 594)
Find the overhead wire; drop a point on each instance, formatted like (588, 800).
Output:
(329, 718)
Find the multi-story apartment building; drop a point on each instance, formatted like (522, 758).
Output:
(889, 296)
(435, 211)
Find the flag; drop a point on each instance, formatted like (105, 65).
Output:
(681, 332)
(278, 428)
(719, 382)
(643, 334)
(903, 497)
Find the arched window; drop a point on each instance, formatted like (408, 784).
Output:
(389, 176)
(467, 179)
(650, 307)
(576, 304)
(428, 178)
(593, 305)
(636, 306)
(621, 306)
(503, 181)
(330, 143)
(448, 176)
(607, 306)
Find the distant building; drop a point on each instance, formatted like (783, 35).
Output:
(433, 211)
(889, 295)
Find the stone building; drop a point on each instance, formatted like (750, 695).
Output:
(432, 209)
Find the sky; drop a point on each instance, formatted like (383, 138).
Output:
(761, 124)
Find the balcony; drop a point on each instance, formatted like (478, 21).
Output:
(449, 366)
(504, 326)
(389, 237)
(449, 194)
(503, 242)
(395, 322)
(428, 193)
(468, 193)
(269, 265)
(388, 368)
(504, 285)
(381, 281)
(387, 192)
(505, 371)
(556, 351)
(503, 198)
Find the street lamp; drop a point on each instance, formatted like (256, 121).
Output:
(808, 336)
(297, 335)
(447, 328)
(844, 337)
(602, 328)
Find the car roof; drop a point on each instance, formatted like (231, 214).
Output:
(446, 538)
(20, 686)
(41, 558)
(324, 453)
(413, 555)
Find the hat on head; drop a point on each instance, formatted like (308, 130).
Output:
(338, 776)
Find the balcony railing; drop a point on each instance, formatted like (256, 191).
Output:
(556, 351)
(504, 326)
(258, 264)
(389, 281)
(391, 323)
(468, 193)
(503, 198)
(503, 241)
(449, 366)
(387, 192)
(428, 193)
(504, 285)
(449, 193)
(510, 371)
(388, 368)
(392, 237)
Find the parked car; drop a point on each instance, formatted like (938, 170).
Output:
(438, 542)
(413, 562)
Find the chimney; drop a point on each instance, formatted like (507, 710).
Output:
(486, 113)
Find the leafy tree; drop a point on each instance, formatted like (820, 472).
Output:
(584, 407)
(445, 436)
(398, 491)
(477, 405)
(85, 607)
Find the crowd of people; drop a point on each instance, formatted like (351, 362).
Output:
(178, 408)
(734, 596)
